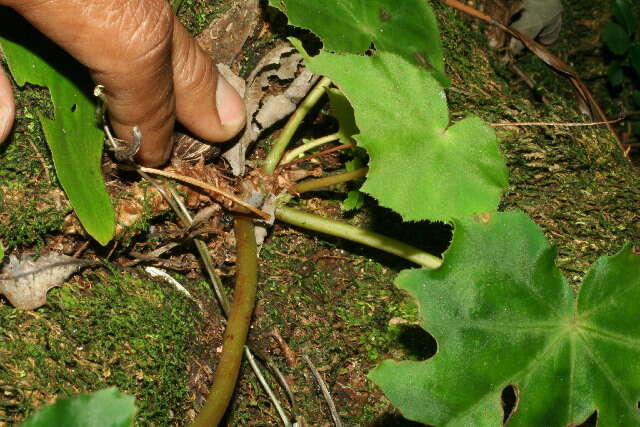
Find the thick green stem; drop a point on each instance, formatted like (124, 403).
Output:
(272, 160)
(340, 229)
(293, 154)
(235, 335)
(314, 184)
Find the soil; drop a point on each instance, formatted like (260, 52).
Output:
(325, 298)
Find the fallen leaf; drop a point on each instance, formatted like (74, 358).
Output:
(224, 38)
(25, 282)
(265, 105)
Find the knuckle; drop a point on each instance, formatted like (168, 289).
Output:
(145, 28)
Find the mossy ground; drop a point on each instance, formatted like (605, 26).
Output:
(572, 181)
(330, 300)
(101, 329)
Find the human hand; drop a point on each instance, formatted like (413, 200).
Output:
(152, 70)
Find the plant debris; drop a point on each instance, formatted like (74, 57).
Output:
(25, 281)
(268, 103)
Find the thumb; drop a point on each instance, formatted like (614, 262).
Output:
(7, 106)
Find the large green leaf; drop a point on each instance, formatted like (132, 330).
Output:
(502, 314)
(407, 28)
(418, 166)
(616, 38)
(105, 408)
(624, 14)
(73, 135)
(343, 112)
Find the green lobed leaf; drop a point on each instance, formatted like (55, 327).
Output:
(105, 408)
(624, 14)
(407, 28)
(419, 167)
(502, 314)
(353, 201)
(343, 112)
(73, 136)
(616, 38)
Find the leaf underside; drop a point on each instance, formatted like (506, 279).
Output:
(73, 136)
(502, 314)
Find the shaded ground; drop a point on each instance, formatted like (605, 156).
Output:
(325, 298)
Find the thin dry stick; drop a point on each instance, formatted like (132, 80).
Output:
(283, 382)
(291, 155)
(568, 124)
(206, 186)
(81, 249)
(256, 369)
(325, 391)
(203, 250)
(40, 158)
(314, 155)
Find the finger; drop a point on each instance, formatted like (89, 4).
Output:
(127, 46)
(205, 102)
(7, 106)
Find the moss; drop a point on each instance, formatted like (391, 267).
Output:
(333, 307)
(571, 180)
(196, 15)
(330, 300)
(30, 200)
(101, 330)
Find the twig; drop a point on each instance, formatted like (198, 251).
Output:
(314, 155)
(325, 391)
(254, 364)
(206, 186)
(81, 249)
(284, 383)
(201, 246)
(40, 158)
(568, 124)
(156, 272)
(291, 155)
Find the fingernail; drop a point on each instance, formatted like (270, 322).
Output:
(230, 106)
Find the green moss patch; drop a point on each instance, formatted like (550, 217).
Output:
(100, 330)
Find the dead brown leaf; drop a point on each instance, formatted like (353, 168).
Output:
(25, 282)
